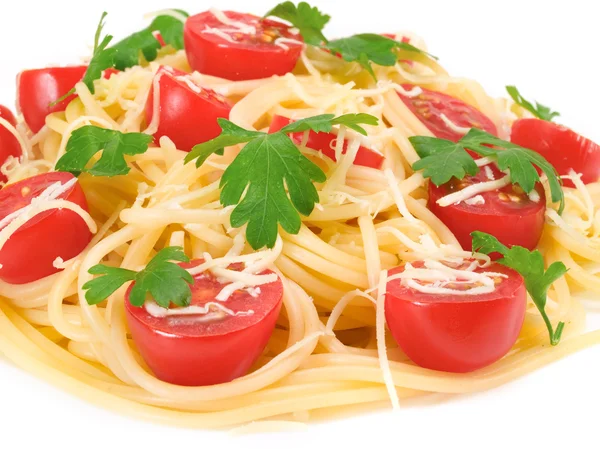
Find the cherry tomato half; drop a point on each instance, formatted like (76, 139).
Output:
(253, 47)
(187, 113)
(430, 106)
(9, 145)
(325, 143)
(561, 146)
(456, 333)
(37, 88)
(196, 350)
(508, 213)
(29, 253)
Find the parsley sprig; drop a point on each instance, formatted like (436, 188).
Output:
(366, 49)
(126, 53)
(88, 140)
(163, 279)
(308, 19)
(276, 177)
(530, 265)
(539, 110)
(443, 159)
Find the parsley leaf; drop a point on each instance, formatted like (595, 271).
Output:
(126, 53)
(442, 159)
(231, 134)
(370, 48)
(530, 265)
(520, 161)
(539, 110)
(308, 19)
(166, 281)
(86, 141)
(325, 122)
(271, 181)
(267, 165)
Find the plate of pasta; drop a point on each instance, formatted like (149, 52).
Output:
(232, 219)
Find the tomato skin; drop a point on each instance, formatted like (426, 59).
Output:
(561, 146)
(30, 252)
(430, 105)
(9, 145)
(196, 354)
(456, 333)
(249, 57)
(511, 223)
(185, 116)
(324, 142)
(37, 88)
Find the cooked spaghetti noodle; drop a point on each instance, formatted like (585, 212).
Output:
(329, 349)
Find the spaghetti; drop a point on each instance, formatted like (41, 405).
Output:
(329, 349)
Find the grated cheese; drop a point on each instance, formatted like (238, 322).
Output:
(397, 195)
(210, 311)
(241, 27)
(453, 126)
(473, 190)
(489, 173)
(475, 201)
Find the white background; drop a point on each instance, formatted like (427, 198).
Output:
(549, 49)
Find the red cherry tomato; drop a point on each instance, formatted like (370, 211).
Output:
(508, 214)
(187, 113)
(561, 146)
(9, 145)
(325, 143)
(245, 54)
(29, 253)
(429, 107)
(191, 350)
(456, 333)
(37, 88)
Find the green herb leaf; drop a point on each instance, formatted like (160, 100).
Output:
(442, 159)
(539, 110)
(370, 48)
(163, 279)
(267, 165)
(85, 142)
(308, 19)
(112, 279)
(126, 53)
(520, 161)
(231, 134)
(276, 177)
(530, 265)
(325, 122)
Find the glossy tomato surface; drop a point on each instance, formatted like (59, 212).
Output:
(250, 51)
(37, 88)
(508, 214)
(191, 350)
(29, 253)
(9, 145)
(325, 143)
(561, 146)
(456, 333)
(187, 113)
(430, 106)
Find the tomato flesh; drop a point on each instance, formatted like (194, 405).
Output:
(185, 350)
(244, 55)
(9, 145)
(188, 117)
(561, 146)
(429, 106)
(325, 143)
(29, 253)
(37, 88)
(508, 213)
(456, 333)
